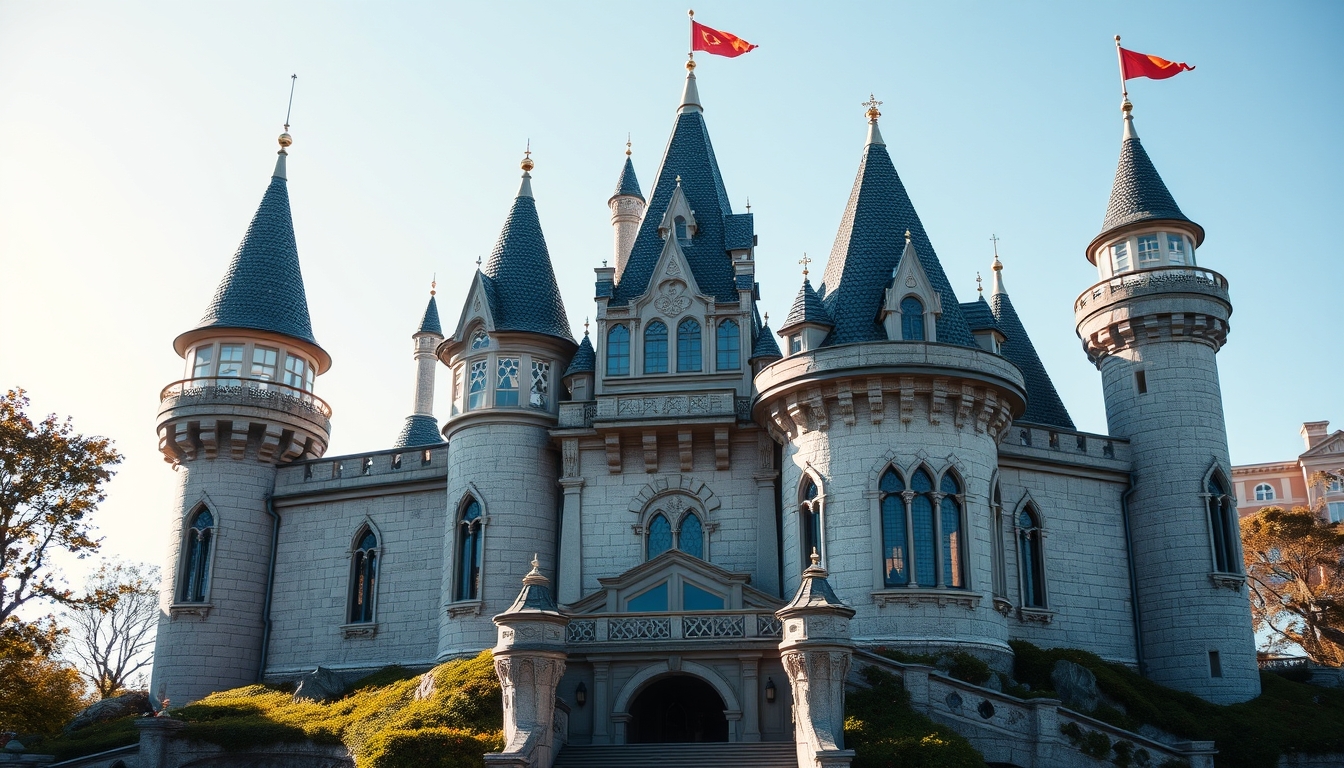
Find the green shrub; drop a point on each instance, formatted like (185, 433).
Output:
(886, 732)
(429, 748)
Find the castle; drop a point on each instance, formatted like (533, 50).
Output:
(679, 473)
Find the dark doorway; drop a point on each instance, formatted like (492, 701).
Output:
(677, 709)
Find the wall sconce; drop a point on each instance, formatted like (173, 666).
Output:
(581, 694)
(769, 690)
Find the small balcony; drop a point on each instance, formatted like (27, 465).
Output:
(235, 390)
(1158, 280)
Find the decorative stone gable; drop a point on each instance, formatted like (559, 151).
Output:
(678, 220)
(476, 310)
(909, 280)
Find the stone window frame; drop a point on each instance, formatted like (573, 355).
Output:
(675, 517)
(999, 546)
(1028, 505)
(353, 552)
(694, 338)
(668, 350)
(1221, 515)
(459, 603)
(606, 348)
(881, 591)
(818, 510)
(198, 608)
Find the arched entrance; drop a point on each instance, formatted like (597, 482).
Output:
(677, 709)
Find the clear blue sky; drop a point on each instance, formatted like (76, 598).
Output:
(136, 140)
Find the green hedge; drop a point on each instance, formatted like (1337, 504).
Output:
(886, 732)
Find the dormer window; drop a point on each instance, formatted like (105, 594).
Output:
(479, 340)
(795, 344)
(912, 319)
(679, 225)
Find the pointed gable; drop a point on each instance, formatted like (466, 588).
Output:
(263, 286)
(868, 248)
(1044, 405)
(521, 281)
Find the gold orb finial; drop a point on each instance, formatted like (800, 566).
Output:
(998, 265)
(815, 558)
(433, 285)
(285, 140)
(527, 164)
(627, 145)
(872, 104)
(690, 65)
(1126, 107)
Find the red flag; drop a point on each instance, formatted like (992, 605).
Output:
(719, 43)
(1133, 64)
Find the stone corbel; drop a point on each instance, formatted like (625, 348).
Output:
(965, 402)
(685, 450)
(845, 402)
(721, 448)
(816, 405)
(209, 436)
(875, 401)
(182, 610)
(182, 440)
(907, 399)
(937, 400)
(238, 440)
(987, 407)
(296, 447)
(270, 443)
(798, 414)
(649, 440)
(612, 441)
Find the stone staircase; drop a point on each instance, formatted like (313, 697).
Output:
(777, 754)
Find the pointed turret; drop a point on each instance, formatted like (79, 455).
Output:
(1044, 405)
(627, 211)
(421, 428)
(808, 323)
(578, 378)
(868, 248)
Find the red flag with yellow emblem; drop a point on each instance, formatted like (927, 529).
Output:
(713, 41)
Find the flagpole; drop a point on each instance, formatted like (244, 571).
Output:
(691, 53)
(1120, 60)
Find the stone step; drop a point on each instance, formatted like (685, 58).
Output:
(777, 754)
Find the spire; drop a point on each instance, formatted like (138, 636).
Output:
(627, 185)
(263, 287)
(1138, 193)
(521, 280)
(807, 308)
(874, 134)
(584, 360)
(997, 266)
(430, 322)
(868, 248)
(1044, 405)
(690, 95)
(765, 347)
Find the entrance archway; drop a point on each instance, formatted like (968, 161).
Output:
(677, 709)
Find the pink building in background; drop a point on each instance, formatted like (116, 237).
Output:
(1286, 483)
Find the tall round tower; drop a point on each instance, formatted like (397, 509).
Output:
(244, 406)
(421, 428)
(507, 357)
(1153, 327)
(627, 211)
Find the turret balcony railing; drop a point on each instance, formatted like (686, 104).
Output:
(244, 391)
(713, 625)
(1151, 281)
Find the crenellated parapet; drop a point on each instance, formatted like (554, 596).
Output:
(937, 384)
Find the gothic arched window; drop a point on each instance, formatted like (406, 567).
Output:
(618, 351)
(655, 347)
(479, 340)
(470, 549)
(1000, 577)
(895, 562)
(922, 525)
(196, 559)
(688, 346)
(679, 224)
(1223, 527)
(729, 346)
(691, 536)
(1264, 492)
(953, 572)
(1031, 559)
(912, 319)
(809, 520)
(660, 536)
(363, 574)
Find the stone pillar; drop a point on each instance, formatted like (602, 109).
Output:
(751, 714)
(766, 577)
(816, 652)
(601, 702)
(570, 567)
(529, 660)
(156, 737)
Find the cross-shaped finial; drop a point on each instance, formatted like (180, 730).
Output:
(528, 152)
(979, 285)
(748, 204)
(478, 261)
(872, 104)
(767, 318)
(585, 326)
(678, 179)
(995, 239)
(805, 261)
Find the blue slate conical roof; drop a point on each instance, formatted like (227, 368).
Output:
(521, 281)
(628, 185)
(430, 322)
(263, 286)
(1044, 405)
(807, 308)
(689, 155)
(868, 248)
(1138, 193)
(417, 431)
(765, 345)
(584, 360)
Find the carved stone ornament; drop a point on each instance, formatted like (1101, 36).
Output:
(673, 300)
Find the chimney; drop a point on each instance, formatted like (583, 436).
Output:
(1313, 432)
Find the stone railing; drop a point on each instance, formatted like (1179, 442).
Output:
(1066, 442)
(244, 391)
(363, 465)
(1157, 280)
(577, 415)
(717, 625)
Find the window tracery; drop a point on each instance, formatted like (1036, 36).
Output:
(196, 563)
(1031, 558)
(470, 550)
(363, 575)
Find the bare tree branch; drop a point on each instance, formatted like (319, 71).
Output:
(112, 635)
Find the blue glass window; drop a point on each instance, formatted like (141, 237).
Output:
(660, 536)
(954, 564)
(912, 319)
(809, 521)
(921, 514)
(655, 347)
(1224, 527)
(680, 225)
(469, 551)
(691, 537)
(618, 351)
(694, 598)
(688, 346)
(1149, 252)
(506, 383)
(729, 347)
(1033, 568)
(895, 562)
(653, 600)
(196, 571)
(363, 574)
(476, 389)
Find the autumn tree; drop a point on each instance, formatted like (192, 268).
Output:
(51, 480)
(38, 693)
(1295, 568)
(112, 635)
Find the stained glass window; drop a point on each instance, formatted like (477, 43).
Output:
(541, 383)
(480, 340)
(506, 385)
(691, 537)
(893, 529)
(921, 514)
(952, 545)
(476, 389)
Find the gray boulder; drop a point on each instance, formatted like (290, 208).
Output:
(319, 685)
(1076, 686)
(115, 708)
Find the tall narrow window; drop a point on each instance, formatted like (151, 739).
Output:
(363, 573)
(660, 536)
(296, 370)
(688, 346)
(541, 384)
(470, 548)
(728, 346)
(1000, 580)
(196, 559)
(231, 360)
(1224, 527)
(895, 562)
(691, 536)
(204, 357)
(506, 385)
(618, 351)
(912, 319)
(476, 389)
(953, 542)
(921, 518)
(264, 360)
(1031, 559)
(655, 347)
(809, 520)
(679, 224)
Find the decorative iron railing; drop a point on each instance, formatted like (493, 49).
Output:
(246, 391)
(1156, 280)
(747, 625)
